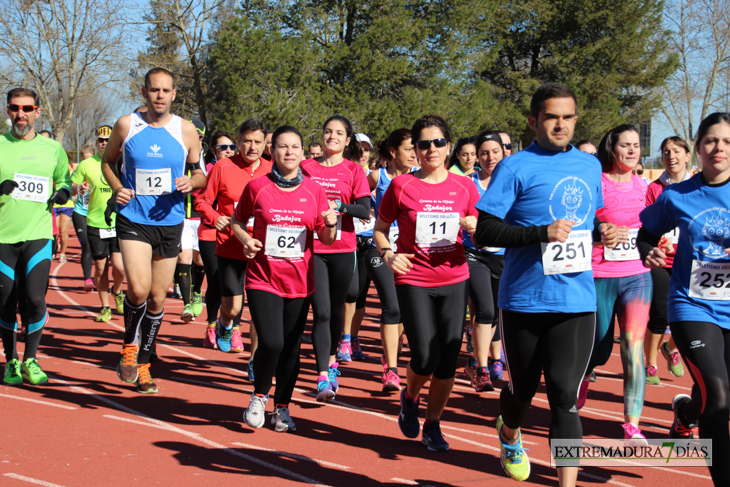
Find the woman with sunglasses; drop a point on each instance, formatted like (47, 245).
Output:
(288, 209)
(431, 206)
(348, 193)
(699, 301)
(464, 157)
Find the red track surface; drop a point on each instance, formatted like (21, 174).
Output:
(86, 428)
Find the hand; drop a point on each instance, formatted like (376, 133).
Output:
(329, 217)
(184, 184)
(222, 223)
(655, 258)
(364, 222)
(610, 235)
(124, 195)
(333, 205)
(60, 197)
(559, 230)
(623, 235)
(468, 223)
(8, 186)
(111, 207)
(666, 245)
(251, 248)
(398, 263)
(81, 189)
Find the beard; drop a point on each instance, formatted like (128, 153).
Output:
(20, 131)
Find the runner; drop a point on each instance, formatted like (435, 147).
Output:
(33, 177)
(154, 146)
(464, 157)
(623, 284)
(103, 242)
(287, 209)
(348, 193)
(64, 216)
(547, 195)
(79, 221)
(506, 142)
(699, 302)
(315, 151)
(675, 157)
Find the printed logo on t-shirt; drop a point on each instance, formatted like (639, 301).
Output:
(713, 237)
(155, 151)
(571, 199)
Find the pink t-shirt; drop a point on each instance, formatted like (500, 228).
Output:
(284, 222)
(622, 203)
(428, 221)
(345, 182)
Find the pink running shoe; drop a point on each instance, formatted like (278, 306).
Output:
(633, 436)
(89, 285)
(236, 343)
(583, 392)
(391, 380)
(209, 339)
(344, 351)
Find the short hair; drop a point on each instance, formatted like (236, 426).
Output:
(429, 121)
(608, 142)
(15, 92)
(676, 140)
(44, 131)
(286, 129)
(314, 144)
(505, 133)
(709, 121)
(88, 148)
(546, 92)
(583, 141)
(252, 124)
(158, 71)
(392, 141)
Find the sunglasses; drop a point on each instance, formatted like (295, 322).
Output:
(227, 147)
(25, 108)
(426, 144)
(508, 146)
(102, 139)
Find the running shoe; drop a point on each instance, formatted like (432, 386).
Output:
(187, 314)
(255, 414)
(324, 390)
(144, 382)
(633, 435)
(408, 417)
(62, 259)
(593, 377)
(89, 285)
(105, 315)
(197, 303)
(651, 376)
(583, 392)
(12, 375)
(469, 341)
(344, 351)
(236, 342)
(483, 383)
(513, 457)
(678, 429)
(209, 338)
(470, 369)
(280, 417)
(391, 380)
(674, 362)
(127, 366)
(333, 373)
(31, 371)
(250, 370)
(357, 350)
(496, 370)
(119, 301)
(223, 337)
(433, 438)
(176, 294)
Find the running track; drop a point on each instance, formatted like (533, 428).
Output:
(86, 428)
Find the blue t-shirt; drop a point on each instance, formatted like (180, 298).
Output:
(536, 187)
(702, 214)
(466, 236)
(82, 204)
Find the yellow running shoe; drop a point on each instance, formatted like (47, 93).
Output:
(513, 457)
(119, 300)
(105, 315)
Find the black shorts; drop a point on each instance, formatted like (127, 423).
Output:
(165, 241)
(101, 248)
(231, 274)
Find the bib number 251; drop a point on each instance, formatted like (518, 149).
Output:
(573, 255)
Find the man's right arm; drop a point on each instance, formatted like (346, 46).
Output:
(111, 155)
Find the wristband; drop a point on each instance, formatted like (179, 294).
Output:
(339, 205)
(382, 252)
(330, 226)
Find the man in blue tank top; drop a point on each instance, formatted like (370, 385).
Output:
(149, 193)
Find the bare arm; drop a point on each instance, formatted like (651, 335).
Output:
(192, 143)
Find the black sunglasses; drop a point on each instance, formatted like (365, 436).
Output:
(25, 108)
(226, 147)
(426, 144)
(508, 146)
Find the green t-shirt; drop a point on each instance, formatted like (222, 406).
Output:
(456, 170)
(89, 170)
(36, 165)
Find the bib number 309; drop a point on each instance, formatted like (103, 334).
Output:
(153, 182)
(710, 281)
(31, 188)
(573, 255)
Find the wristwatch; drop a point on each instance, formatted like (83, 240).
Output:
(382, 252)
(339, 205)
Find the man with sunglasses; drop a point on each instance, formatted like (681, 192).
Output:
(33, 177)
(506, 142)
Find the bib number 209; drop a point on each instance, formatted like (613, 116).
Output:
(573, 255)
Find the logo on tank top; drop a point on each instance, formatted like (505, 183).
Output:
(713, 236)
(571, 199)
(155, 151)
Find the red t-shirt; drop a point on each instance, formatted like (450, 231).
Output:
(428, 221)
(284, 222)
(655, 189)
(345, 182)
(221, 195)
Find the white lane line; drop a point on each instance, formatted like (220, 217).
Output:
(141, 423)
(620, 417)
(294, 456)
(37, 401)
(404, 481)
(30, 480)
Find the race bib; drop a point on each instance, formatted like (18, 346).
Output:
(573, 255)
(285, 242)
(361, 227)
(31, 188)
(710, 281)
(673, 236)
(624, 251)
(107, 232)
(393, 234)
(153, 182)
(85, 200)
(436, 229)
(338, 235)
(249, 225)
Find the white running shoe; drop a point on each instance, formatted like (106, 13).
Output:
(255, 415)
(280, 417)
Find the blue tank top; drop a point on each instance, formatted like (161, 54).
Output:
(466, 236)
(380, 189)
(152, 159)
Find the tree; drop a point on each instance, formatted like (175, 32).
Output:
(63, 49)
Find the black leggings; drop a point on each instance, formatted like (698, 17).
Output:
(80, 228)
(483, 291)
(332, 277)
(558, 344)
(384, 281)
(658, 309)
(213, 293)
(705, 348)
(360, 284)
(433, 320)
(280, 327)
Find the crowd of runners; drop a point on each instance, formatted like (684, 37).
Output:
(534, 254)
